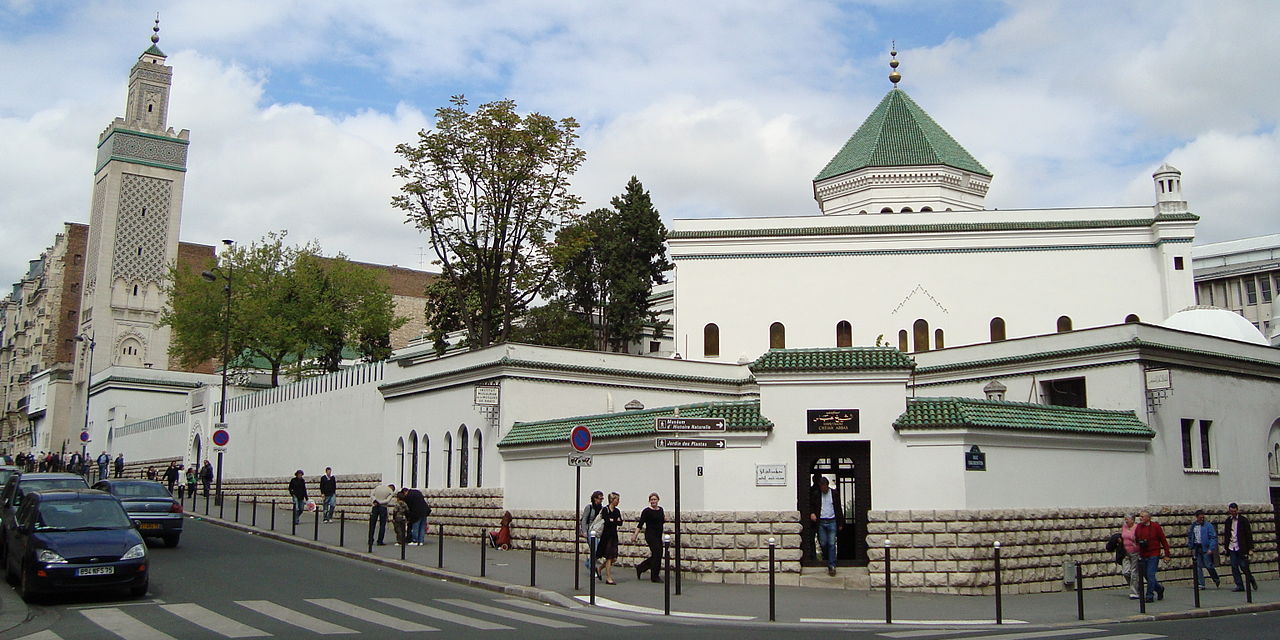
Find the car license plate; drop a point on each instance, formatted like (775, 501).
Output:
(150, 525)
(95, 571)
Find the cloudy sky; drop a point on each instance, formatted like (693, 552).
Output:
(720, 108)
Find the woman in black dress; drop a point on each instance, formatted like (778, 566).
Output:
(651, 521)
(609, 540)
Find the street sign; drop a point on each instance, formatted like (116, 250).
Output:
(975, 459)
(688, 443)
(221, 437)
(673, 424)
(580, 438)
(580, 459)
(84, 436)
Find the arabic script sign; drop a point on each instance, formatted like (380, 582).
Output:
(833, 421)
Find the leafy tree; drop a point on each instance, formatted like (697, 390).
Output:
(555, 324)
(490, 188)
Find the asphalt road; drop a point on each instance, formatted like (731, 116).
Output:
(221, 583)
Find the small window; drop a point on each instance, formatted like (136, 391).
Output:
(1251, 291)
(937, 339)
(907, 210)
(844, 334)
(997, 329)
(777, 336)
(886, 210)
(139, 250)
(1187, 454)
(1177, 263)
(654, 346)
(463, 470)
(1206, 460)
(1264, 283)
(1131, 318)
(1064, 324)
(135, 289)
(902, 340)
(920, 335)
(711, 341)
(926, 209)
(1067, 392)
(144, 212)
(448, 459)
(148, 108)
(77, 259)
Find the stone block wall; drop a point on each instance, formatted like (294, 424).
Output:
(353, 492)
(947, 551)
(719, 546)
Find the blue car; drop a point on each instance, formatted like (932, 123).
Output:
(73, 540)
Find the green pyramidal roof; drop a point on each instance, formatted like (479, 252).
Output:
(155, 51)
(898, 133)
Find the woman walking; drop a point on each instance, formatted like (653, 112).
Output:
(651, 521)
(609, 539)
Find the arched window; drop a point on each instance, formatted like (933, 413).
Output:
(906, 210)
(426, 461)
(400, 459)
(844, 334)
(413, 458)
(1131, 318)
(462, 456)
(937, 339)
(926, 209)
(711, 341)
(479, 456)
(920, 335)
(1064, 324)
(448, 459)
(997, 329)
(777, 336)
(886, 210)
(902, 341)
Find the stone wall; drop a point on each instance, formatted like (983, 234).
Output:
(952, 551)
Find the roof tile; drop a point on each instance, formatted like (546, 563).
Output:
(946, 413)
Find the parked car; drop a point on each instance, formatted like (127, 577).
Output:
(21, 484)
(73, 540)
(149, 504)
(8, 471)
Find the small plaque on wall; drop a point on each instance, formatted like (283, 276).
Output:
(833, 421)
(975, 459)
(770, 475)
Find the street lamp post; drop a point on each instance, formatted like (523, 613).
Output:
(212, 276)
(88, 377)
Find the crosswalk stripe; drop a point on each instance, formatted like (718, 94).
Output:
(369, 615)
(525, 604)
(1133, 636)
(925, 633)
(441, 614)
(514, 615)
(42, 635)
(212, 621)
(295, 618)
(123, 625)
(1031, 635)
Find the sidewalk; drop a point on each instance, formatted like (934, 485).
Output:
(510, 571)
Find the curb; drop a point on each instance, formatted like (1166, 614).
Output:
(533, 593)
(13, 611)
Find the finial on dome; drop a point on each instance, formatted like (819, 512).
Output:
(894, 76)
(155, 31)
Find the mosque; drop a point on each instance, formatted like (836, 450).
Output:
(963, 376)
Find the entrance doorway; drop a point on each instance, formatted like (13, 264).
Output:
(847, 466)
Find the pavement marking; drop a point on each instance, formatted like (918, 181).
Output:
(1031, 635)
(514, 615)
(369, 615)
(124, 625)
(925, 634)
(447, 616)
(544, 608)
(295, 618)
(909, 622)
(622, 606)
(1132, 636)
(214, 622)
(42, 635)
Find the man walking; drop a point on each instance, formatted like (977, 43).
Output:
(329, 490)
(298, 489)
(825, 511)
(119, 465)
(1237, 537)
(378, 514)
(1151, 543)
(1202, 539)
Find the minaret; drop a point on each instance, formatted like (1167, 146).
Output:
(133, 224)
(1168, 181)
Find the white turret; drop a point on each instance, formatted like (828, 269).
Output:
(1169, 190)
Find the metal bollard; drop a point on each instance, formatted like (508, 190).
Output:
(772, 545)
(315, 534)
(342, 528)
(237, 508)
(591, 556)
(222, 505)
(273, 514)
(888, 585)
(206, 504)
(533, 560)
(255, 511)
(483, 548)
(666, 584)
(999, 604)
(1080, 592)
(293, 518)
(1196, 571)
(404, 545)
(440, 546)
(1248, 582)
(1142, 589)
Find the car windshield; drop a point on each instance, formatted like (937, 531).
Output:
(45, 484)
(81, 515)
(5, 474)
(140, 490)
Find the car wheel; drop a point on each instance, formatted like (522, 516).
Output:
(171, 541)
(140, 590)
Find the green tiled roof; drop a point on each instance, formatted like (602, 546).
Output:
(950, 227)
(946, 413)
(898, 133)
(155, 51)
(739, 416)
(833, 359)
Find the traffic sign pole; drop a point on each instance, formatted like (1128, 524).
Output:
(580, 440)
(677, 527)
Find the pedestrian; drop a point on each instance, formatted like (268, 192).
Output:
(329, 491)
(1127, 554)
(1202, 539)
(609, 540)
(1151, 544)
(298, 490)
(206, 476)
(119, 465)
(399, 517)
(652, 518)
(590, 528)
(1237, 539)
(378, 513)
(418, 512)
(827, 514)
(103, 460)
(73, 463)
(192, 476)
(171, 476)
(150, 472)
(500, 538)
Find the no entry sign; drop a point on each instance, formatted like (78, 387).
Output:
(580, 438)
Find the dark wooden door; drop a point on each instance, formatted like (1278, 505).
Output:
(847, 465)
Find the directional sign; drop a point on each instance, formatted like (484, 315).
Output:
(221, 437)
(580, 438)
(580, 459)
(84, 436)
(669, 425)
(688, 443)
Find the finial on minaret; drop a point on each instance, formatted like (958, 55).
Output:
(155, 31)
(894, 76)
